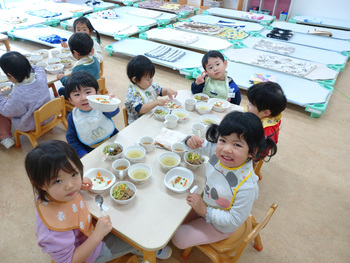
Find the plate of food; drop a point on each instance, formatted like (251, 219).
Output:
(193, 160)
(219, 105)
(103, 103)
(123, 192)
(201, 97)
(160, 112)
(102, 179)
(174, 104)
(5, 88)
(179, 179)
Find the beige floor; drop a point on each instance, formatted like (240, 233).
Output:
(307, 179)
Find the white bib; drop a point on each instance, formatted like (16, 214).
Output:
(148, 95)
(92, 126)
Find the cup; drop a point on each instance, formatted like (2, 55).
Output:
(190, 103)
(171, 121)
(147, 142)
(178, 148)
(120, 167)
(199, 129)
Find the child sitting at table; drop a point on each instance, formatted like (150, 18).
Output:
(29, 93)
(65, 228)
(87, 127)
(267, 101)
(231, 184)
(81, 46)
(82, 24)
(214, 82)
(142, 93)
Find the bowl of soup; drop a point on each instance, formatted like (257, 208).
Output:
(102, 179)
(203, 107)
(135, 153)
(169, 160)
(182, 114)
(209, 119)
(179, 179)
(139, 173)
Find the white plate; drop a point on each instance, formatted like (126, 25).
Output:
(179, 171)
(103, 103)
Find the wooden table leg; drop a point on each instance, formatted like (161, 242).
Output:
(149, 256)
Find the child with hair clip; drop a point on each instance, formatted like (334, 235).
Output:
(267, 101)
(82, 24)
(214, 82)
(231, 184)
(65, 228)
(142, 93)
(87, 127)
(29, 93)
(81, 46)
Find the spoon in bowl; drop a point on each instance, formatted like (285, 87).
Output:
(99, 201)
(104, 157)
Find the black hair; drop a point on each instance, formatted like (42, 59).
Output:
(81, 43)
(267, 96)
(140, 66)
(78, 80)
(248, 127)
(211, 54)
(44, 163)
(84, 20)
(16, 64)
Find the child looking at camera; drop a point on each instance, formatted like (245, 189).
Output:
(87, 127)
(142, 93)
(214, 82)
(64, 225)
(231, 184)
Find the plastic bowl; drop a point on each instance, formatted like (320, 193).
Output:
(107, 175)
(179, 171)
(54, 69)
(6, 88)
(219, 105)
(42, 64)
(52, 61)
(128, 152)
(203, 107)
(41, 52)
(123, 202)
(170, 156)
(182, 114)
(201, 97)
(192, 166)
(103, 102)
(65, 50)
(35, 59)
(160, 117)
(63, 55)
(209, 119)
(143, 168)
(67, 62)
(112, 156)
(174, 104)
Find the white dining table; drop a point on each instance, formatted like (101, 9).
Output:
(150, 220)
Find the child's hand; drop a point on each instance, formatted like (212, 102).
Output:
(111, 95)
(201, 77)
(194, 142)
(103, 226)
(60, 75)
(64, 44)
(197, 203)
(161, 102)
(171, 94)
(87, 184)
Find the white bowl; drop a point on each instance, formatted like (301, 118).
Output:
(63, 55)
(67, 62)
(190, 165)
(170, 157)
(179, 171)
(54, 69)
(203, 107)
(103, 103)
(123, 202)
(107, 176)
(6, 88)
(135, 148)
(182, 114)
(201, 97)
(112, 156)
(42, 64)
(41, 52)
(219, 105)
(137, 167)
(174, 104)
(65, 50)
(35, 59)
(52, 61)
(178, 148)
(209, 119)
(160, 117)
(55, 53)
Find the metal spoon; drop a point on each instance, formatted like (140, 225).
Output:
(99, 201)
(110, 149)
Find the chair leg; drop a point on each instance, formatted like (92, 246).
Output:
(17, 139)
(6, 42)
(257, 240)
(128, 258)
(186, 253)
(257, 168)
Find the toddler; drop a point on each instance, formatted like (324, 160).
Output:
(142, 93)
(231, 184)
(214, 82)
(29, 93)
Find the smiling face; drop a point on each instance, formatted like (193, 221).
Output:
(144, 82)
(232, 151)
(216, 68)
(65, 187)
(78, 98)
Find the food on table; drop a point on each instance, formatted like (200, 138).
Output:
(180, 114)
(139, 174)
(198, 97)
(103, 100)
(209, 121)
(117, 150)
(203, 108)
(219, 104)
(65, 61)
(122, 192)
(173, 105)
(4, 88)
(134, 154)
(194, 158)
(178, 182)
(99, 182)
(160, 112)
(169, 161)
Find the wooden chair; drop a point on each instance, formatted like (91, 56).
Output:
(55, 108)
(128, 258)
(4, 39)
(125, 114)
(257, 167)
(101, 70)
(231, 249)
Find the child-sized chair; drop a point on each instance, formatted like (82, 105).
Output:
(257, 168)
(125, 115)
(231, 249)
(4, 39)
(55, 108)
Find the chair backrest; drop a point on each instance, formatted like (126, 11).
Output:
(102, 86)
(125, 115)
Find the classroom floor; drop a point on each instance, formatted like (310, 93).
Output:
(307, 179)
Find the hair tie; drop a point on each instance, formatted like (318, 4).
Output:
(265, 137)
